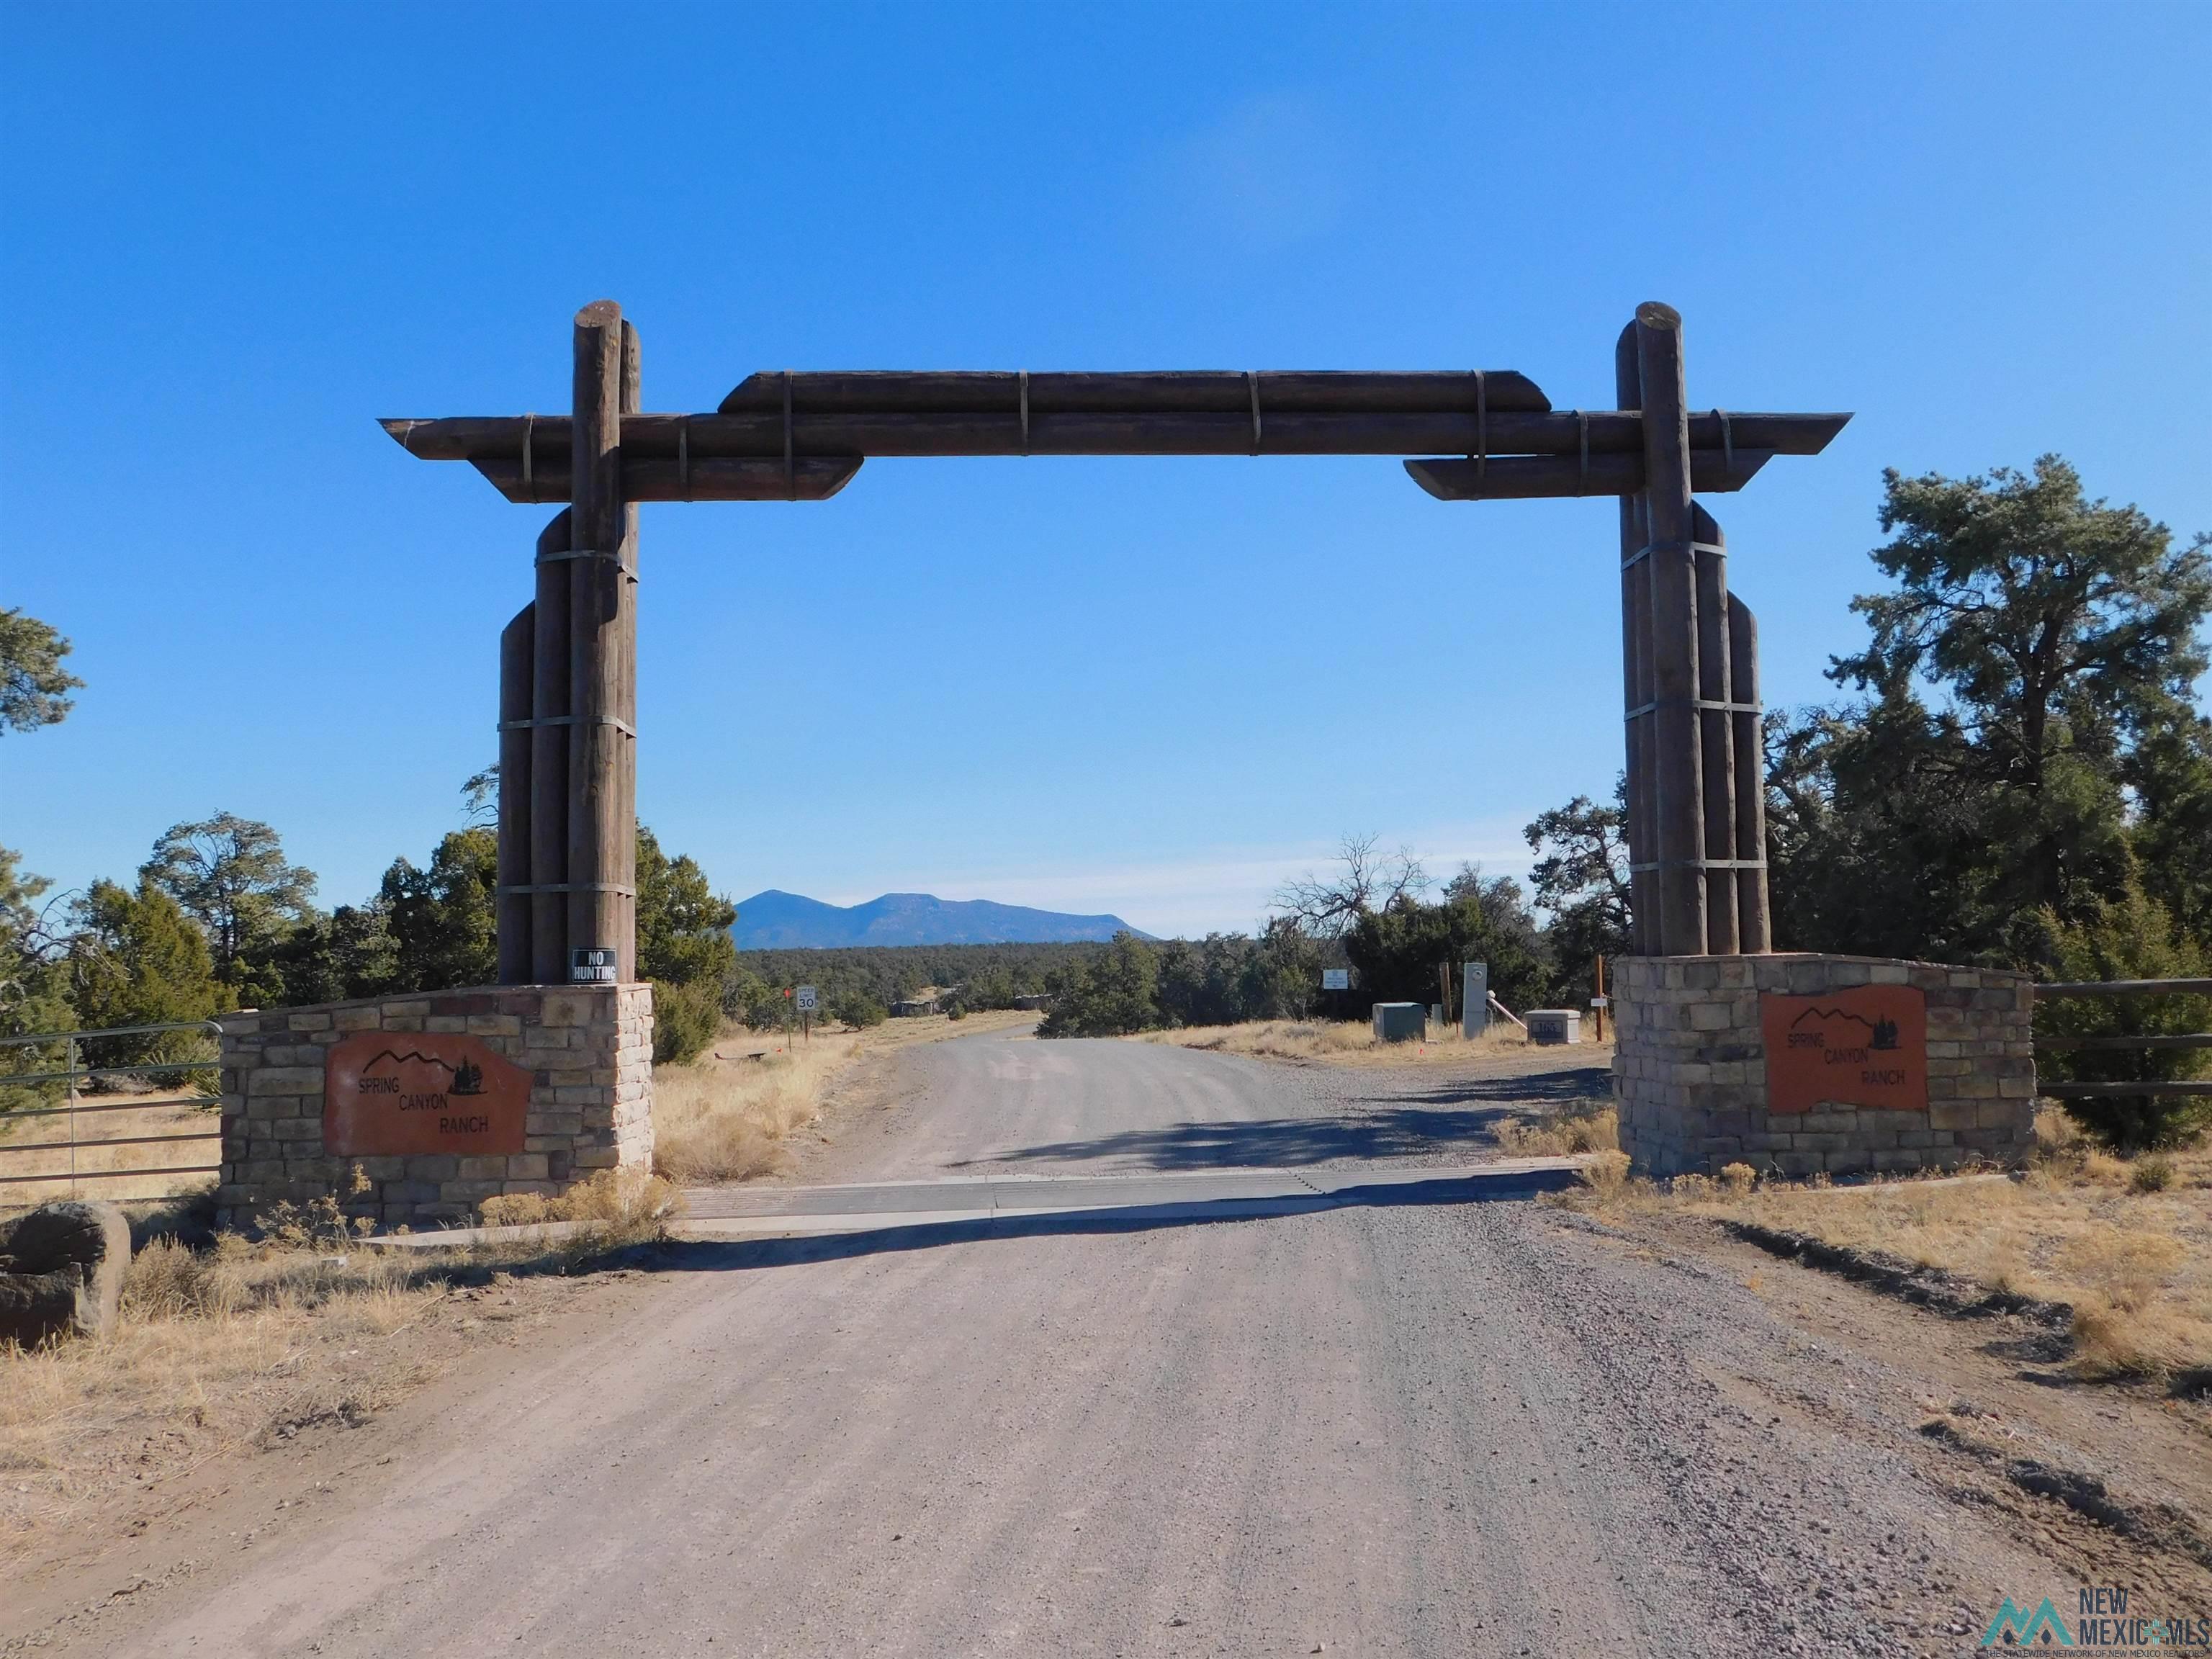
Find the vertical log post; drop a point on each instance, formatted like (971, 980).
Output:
(626, 694)
(1715, 733)
(1636, 678)
(1755, 927)
(595, 591)
(517, 671)
(1680, 805)
(549, 758)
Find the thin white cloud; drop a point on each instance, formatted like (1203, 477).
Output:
(1270, 171)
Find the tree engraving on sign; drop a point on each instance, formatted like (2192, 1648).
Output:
(392, 1093)
(1865, 1045)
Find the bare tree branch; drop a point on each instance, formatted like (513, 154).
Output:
(1368, 883)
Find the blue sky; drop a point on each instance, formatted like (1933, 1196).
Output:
(231, 238)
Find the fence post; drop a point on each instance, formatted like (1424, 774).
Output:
(69, 1064)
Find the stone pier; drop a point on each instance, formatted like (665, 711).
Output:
(1800, 1064)
(413, 1110)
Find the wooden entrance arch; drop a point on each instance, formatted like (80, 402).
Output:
(568, 717)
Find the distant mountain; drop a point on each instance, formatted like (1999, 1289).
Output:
(789, 922)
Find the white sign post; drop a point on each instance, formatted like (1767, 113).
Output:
(807, 1013)
(1336, 979)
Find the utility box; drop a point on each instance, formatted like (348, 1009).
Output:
(1474, 1000)
(1554, 1024)
(1400, 1022)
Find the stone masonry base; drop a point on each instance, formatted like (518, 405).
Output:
(1690, 1078)
(588, 1050)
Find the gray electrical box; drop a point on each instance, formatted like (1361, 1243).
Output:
(1474, 1008)
(1400, 1022)
(1554, 1024)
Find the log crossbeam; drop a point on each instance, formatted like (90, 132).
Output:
(802, 436)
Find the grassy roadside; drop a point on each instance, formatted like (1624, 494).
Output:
(2126, 1243)
(235, 1344)
(732, 1115)
(1350, 1042)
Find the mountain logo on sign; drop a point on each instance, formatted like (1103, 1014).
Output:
(467, 1076)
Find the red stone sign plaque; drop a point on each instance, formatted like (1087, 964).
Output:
(394, 1092)
(1867, 1046)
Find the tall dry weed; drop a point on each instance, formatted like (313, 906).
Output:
(615, 1206)
(729, 1120)
(1565, 1136)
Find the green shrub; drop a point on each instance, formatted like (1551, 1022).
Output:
(859, 1011)
(2153, 1173)
(684, 1020)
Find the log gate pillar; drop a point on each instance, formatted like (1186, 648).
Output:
(567, 705)
(1696, 815)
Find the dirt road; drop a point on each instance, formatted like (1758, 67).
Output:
(1489, 1428)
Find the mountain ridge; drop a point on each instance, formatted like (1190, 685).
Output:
(772, 920)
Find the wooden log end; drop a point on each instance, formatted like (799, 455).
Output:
(600, 313)
(1654, 313)
(1523, 477)
(811, 479)
(1422, 473)
(400, 429)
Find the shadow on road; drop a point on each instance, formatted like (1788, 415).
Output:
(1532, 1091)
(714, 1255)
(1398, 1131)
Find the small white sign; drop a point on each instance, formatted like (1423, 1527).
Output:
(806, 999)
(1336, 979)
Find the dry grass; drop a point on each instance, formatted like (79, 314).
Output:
(240, 1344)
(731, 1115)
(164, 1112)
(615, 1207)
(246, 1343)
(1336, 1042)
(2128, 1244)
(1597, 1130)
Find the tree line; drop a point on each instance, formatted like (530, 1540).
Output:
(859, 984)
(218, 919)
